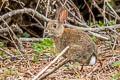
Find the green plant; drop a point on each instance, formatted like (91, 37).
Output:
(101, 24)
(46, 46)
(116, 76)
(17, 52)
(1, 44)
(117, 64)
(111, 4)
(95, 39)
(9, 72)
(2, 53)
(108, 23)
(26, 35)
(92, 23)
(89, 1)
(35, 59)
(112, 22)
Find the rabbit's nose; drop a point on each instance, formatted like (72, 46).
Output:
(46, 32)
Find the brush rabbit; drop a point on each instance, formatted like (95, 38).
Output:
(82, 48)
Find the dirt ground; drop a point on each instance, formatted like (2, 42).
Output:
(24, 69)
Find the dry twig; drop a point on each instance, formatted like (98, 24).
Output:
(41, 72)
(40, 16)
(54, 69)
(13, 37)
(22, 11)
(31, 39)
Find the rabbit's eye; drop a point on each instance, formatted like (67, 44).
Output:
(84, 57)
(54, 25)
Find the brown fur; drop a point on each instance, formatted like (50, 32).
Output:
(81, 45)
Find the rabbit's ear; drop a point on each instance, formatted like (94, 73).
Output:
(61, 14)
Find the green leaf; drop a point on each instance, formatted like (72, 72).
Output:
(27, 35)
(3, 53)
(116, 76)
(111, 4)
(77, 64)
(4, 77)
(1, 44)
(89, 1)
(35, 59)
(17, 52)
(77, 76)
(101, 23)
(117, 63)
(95, 39)
(112, 22)
(14, 72)
(69, 67)
(18, 36)
(8, 72)
(47, 44)
(92, 23)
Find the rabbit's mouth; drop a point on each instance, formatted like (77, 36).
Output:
(52, 35)
(49, 35)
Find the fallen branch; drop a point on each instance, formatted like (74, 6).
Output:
(22, 11)
(99, 36)
(41, 72)
(13, 37)
(14, 28)
(41, 17)
(93, 29)
(31, 39)
(10, 55)
(55, 68)
(117, 16)
(6, 52)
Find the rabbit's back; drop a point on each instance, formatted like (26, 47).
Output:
(73, 37)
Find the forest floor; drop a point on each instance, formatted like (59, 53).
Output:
(26, 19)
(24, 69)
